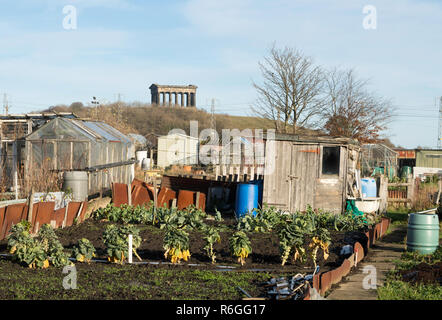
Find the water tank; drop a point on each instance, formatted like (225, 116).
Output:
(77, 182)
(368, 188)
(423, 233)
(145, 164)
(140, 155)
(246, 199)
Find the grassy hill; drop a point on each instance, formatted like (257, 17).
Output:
(149, 120)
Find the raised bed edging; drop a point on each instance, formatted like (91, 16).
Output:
(322, 282)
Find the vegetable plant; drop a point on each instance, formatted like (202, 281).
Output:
(291, 239)
(176, 245)
(116, 240)
(240, 246)
(83, 251)
(52, 246)
(39, 251)
(211, 236)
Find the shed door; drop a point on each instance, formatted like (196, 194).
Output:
(304, 174)
(277, 182)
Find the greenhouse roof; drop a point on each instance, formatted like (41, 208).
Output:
(77, 129)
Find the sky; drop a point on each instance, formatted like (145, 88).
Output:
(121, 47)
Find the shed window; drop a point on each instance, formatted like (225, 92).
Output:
(330, 160)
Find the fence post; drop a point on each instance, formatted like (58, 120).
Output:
(129, 253)
(30, 205)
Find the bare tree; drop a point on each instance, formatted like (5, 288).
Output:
(351, 110)
(290, 94)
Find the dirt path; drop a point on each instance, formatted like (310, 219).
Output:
(381, 257)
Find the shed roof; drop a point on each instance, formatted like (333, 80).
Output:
(312, 139)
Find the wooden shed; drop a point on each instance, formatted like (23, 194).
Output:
(316, 171)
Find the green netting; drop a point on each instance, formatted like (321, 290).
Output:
(353, 210)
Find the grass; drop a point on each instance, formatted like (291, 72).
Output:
(102, 281)
(395, 289)
(399, 290)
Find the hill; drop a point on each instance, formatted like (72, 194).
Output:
(151, 121)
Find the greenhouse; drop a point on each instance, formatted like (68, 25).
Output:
(82, 145)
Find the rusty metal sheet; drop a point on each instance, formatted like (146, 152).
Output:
(83, 211)
(165, 197)
(58, 216)
(43, 213)
(73, 208)
(325, 282)
(141, 195)
(346, 267)
(119, 194)
(316, 281)
(187, 198)
(360, 251)
(2, 219)
(14, 214)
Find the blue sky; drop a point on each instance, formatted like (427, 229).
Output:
(122, 46)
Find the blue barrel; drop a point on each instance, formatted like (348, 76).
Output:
(246, 199)
(368, 187)
(260, 184)
(423, 233)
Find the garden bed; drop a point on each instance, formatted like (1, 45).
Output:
(265, 254)
(267, 236)
(423, 273)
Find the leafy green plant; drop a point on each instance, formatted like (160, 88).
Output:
(240, 246)
(218, 217)
(19, 234)
(83, 251)
(211, 236)
(39, 251)
(52, 246)
(116, 240)
(176, 245)
(291, 239)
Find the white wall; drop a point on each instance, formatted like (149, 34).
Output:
(420, 171)
(177, 149)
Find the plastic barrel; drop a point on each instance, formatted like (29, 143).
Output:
(423, 233)
(77, 182)
(246, 199)
(368, 187)
(260, 184)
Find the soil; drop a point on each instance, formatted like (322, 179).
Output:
(195, 279)
(265, 247)
(423, 273)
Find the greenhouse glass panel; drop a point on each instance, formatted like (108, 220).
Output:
(37, 155)
(63, 155)
(81, 155)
